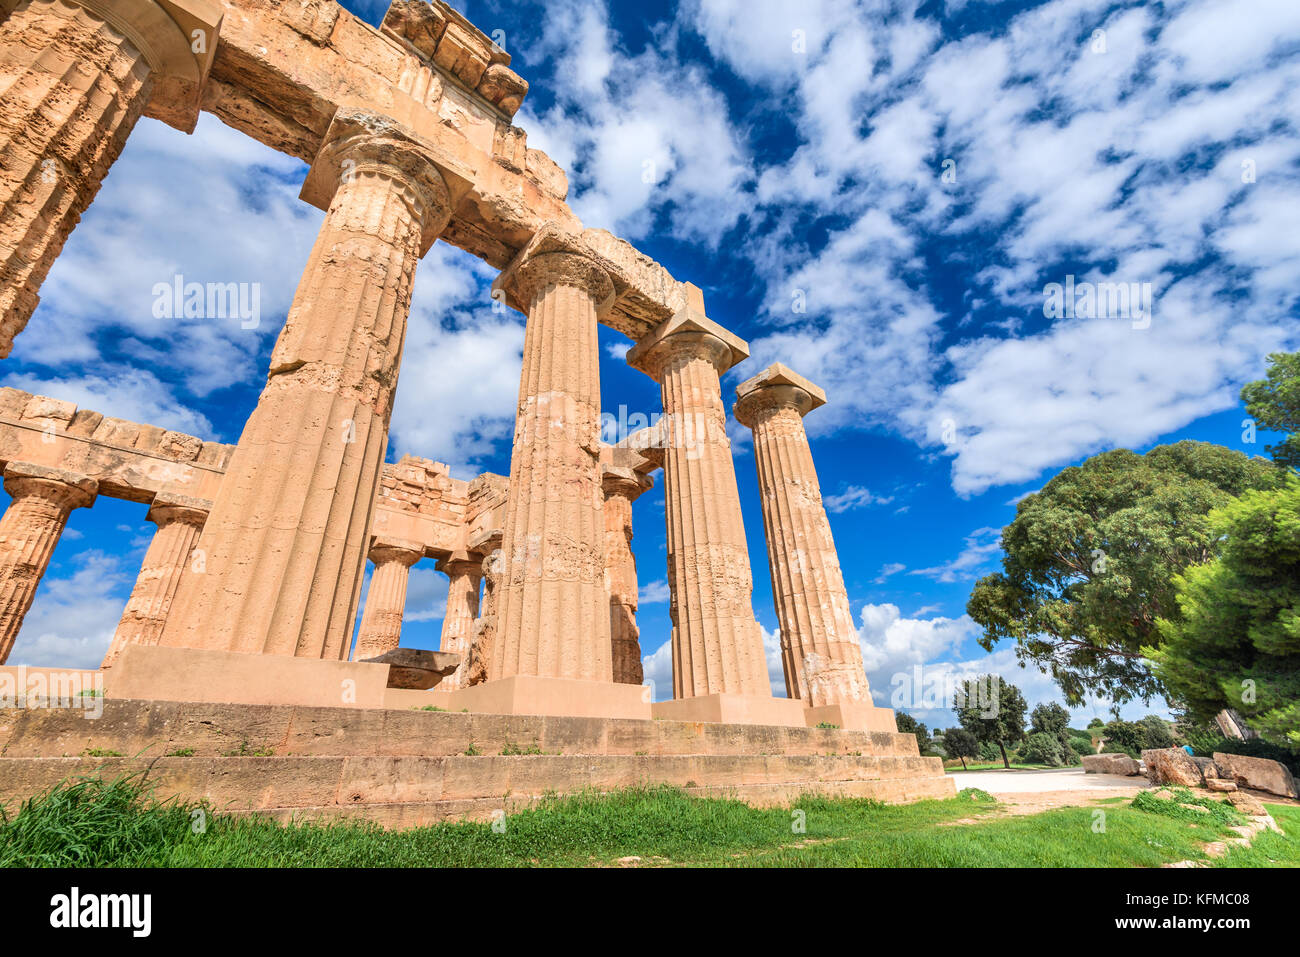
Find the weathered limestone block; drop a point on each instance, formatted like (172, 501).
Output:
(286, 539)
(29, 529)
(179, 520)
(1258, 773)
(819, 641)
(622, 486)
(717, 642)
(465, 575)
(381, 620)
(1110, 764)
(1172, 766)
(504, 88)
(552, 607)
(419, 23)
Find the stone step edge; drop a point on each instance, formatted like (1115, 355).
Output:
(130, 725)
(419, 813)
(250, 782)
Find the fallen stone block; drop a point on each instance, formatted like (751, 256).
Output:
(1111, 764)
(1172, 766)
(1258, 773)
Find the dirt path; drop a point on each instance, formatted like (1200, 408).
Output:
(1031, 792)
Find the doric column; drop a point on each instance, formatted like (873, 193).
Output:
(479, 658)
(381, 619)
(286, 540)
(717, 642)
(819, 643)
(179, 519)
(552, 609)
(29, 529)
(465, 575)
(75, 75)
(622, 486)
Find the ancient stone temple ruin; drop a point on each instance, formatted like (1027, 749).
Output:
(236, 645)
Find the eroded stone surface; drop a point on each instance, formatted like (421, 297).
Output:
(717, 642)
(622, 486)
(819, 640)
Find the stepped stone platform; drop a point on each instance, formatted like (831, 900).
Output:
(407, 768)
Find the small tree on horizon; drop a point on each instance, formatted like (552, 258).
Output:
(993, 710)
(960, 743)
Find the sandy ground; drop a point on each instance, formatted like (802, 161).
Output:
(1028, 792)
(1062, 779)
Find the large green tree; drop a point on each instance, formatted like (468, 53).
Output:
(992, 710)
(1236, 640)
(1090, 559)
(1274, 403)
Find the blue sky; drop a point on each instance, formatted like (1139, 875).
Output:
(776, 156)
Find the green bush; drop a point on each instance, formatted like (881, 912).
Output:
(1043, 748)
(1155, 732)
(1123, 737)
(1081, 744)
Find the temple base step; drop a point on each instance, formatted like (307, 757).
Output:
(405, 767)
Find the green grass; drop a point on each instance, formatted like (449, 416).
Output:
(1269, 849)
(117, 823)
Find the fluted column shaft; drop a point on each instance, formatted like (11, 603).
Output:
(622, 487)
(465, 576)
(164, 563)
(717, 642)
(71, 89)
(552, 609)
(286, 540)
(381, 619)
(29, 529)
(819, 643)
(480, 656)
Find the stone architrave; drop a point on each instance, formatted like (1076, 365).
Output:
(717, 642)
(286, 540)
(29, 529)
(622, 486)
(552, 614)
(75, 76)
(464, 576)
(381, 619)
(179, 519)
(819, 643)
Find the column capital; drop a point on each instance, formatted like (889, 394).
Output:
(624, 482)
(692, 334)
(361, 141)
(554, 257)
(168, 507)
(459, 563)
(384, 549)
(59, 486)
(177, 38)
(485, 541)
(776, 387)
